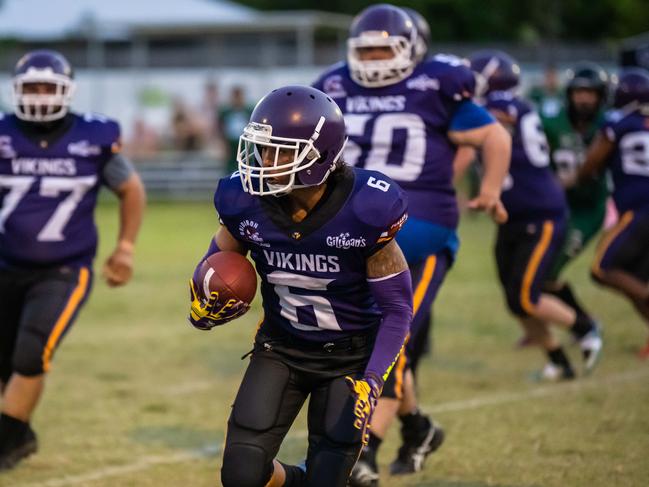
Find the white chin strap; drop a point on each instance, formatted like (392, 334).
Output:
(33, 107)
(385, 72)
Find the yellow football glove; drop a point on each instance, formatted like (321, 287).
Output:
(206, 313)
(366, 392)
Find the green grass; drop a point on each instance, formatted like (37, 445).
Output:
(138, 398)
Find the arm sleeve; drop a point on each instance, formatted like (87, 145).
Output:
(393, 294)
(117, 170)
(212, 249)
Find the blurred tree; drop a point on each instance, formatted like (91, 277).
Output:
(477, 20)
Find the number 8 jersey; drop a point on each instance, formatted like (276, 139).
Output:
(313, 273)
(48, 190)
(400, 130)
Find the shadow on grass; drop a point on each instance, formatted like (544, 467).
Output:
(208, 441)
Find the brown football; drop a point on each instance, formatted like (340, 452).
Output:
(230, 274)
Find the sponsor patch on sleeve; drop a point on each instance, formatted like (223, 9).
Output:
(393, 229)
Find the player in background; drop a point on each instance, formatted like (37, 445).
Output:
(52, 165)
(528, 243)
(336, 290)
(622, 147)
(569, 132)
(406, 119)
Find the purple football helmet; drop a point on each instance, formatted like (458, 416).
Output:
(632, 87)
(423, 33)
(42, 67)
(495, 71)
(382, 26)
(294, 139)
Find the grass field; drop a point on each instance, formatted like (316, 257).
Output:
(139, 398)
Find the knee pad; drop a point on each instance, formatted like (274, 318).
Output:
(28, 356)
(245, 466)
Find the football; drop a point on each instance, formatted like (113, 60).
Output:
(230, 274)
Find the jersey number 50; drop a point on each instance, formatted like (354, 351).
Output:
(382, 137)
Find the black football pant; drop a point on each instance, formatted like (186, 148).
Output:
(281, 375)
(37, 309)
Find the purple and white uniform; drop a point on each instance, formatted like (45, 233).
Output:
(313, 273)
(629, 163)
(401, 130)
(530, 192)
(625, 245)
(48, 192)
(528, 243)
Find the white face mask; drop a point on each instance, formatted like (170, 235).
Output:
(384, 72)
(278, 178)
(33, 107)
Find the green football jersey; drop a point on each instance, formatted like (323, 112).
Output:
(568, 151)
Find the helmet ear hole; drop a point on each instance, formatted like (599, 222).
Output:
(323, 157)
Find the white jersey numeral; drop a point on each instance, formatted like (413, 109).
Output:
(634, 150)
(51, 187)
(379, 184)
(18, 186)
(414, 156)
(290, 302)
(534, 140)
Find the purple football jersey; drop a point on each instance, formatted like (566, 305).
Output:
(400, 130)
(48, 192)
(629, 163)
(313, 273)
(530, 190)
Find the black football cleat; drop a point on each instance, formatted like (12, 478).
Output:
(12, 453)
(417, 445)
(366, 472)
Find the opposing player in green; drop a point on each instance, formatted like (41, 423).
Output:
(569, 133)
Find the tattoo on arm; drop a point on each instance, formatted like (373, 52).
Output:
(389, 260)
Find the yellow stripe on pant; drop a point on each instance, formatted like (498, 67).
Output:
(608, 239)
(533, 266)
(74, 301)
(424, 282)
(418, 298)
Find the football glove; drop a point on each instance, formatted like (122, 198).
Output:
(366, 392)
(206, 313)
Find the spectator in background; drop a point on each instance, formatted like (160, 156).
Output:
(185, 128)
(547, 96)
(144, 142)
(232, 120)
(208, 111)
